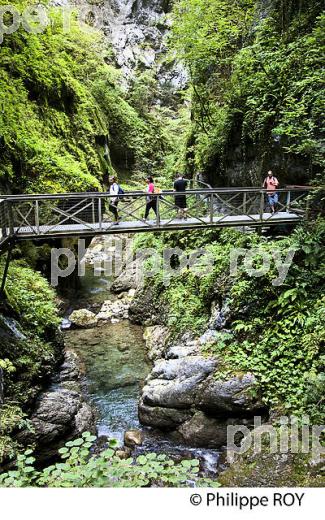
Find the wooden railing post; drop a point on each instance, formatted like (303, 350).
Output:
(158, 210)
(211, 208)
(93, 210)
(37, 217)
(245, 203)
(288, 203)
(262, 206)
(100, 217)
(11, 219)
(3, 219)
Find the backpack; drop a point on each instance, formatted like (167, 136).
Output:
(120, 190)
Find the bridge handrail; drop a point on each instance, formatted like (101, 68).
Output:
(210, 191)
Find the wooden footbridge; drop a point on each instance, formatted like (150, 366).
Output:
(46, 217)
(43, 217)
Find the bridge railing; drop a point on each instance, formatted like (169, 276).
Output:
(44, 215)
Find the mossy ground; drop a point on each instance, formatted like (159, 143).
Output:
(273, 470)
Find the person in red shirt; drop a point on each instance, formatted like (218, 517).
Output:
(151, 200)
(270, 184)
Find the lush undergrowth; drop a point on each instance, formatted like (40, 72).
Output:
(276, 331)
(80, 468)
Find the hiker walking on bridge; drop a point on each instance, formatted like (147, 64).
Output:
(151, 200)
(180, 186)
(113, 202)
(271, 183)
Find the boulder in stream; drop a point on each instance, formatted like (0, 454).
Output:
(208, 432)
(174, 383)
(114, 310)
(133, 438)
(83, 319)
(183, 393)
(60, 413)
(163, 418)
(234, 395)
(155, 338)
(146, 308)
(127, 280)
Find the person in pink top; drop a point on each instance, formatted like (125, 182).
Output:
(151, 200)
(271, 183)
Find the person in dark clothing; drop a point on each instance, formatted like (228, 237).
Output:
(151, 200)
(180, 186)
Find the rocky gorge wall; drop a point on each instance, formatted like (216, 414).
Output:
(60, 412)
(138, 31)
(256, 92)
(41, 400)
(230, 140)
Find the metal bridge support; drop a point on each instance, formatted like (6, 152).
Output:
(288, 201)
(5, 272)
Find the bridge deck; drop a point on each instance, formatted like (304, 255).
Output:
(139, 226)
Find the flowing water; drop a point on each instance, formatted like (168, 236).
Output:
(115, 366)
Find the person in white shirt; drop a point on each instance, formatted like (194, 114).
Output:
(114, 190)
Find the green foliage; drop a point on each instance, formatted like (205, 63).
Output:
(64, 119)
(48, 121)
(28, 356)
(12, 419)
(279, 331)
(207, 33)
(256, 80)
(31, 362)
(187, 311)
(188, 293)
(136, 139)
(79, 468)
(280, 82)
(30, 295)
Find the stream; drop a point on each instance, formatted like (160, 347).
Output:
(115, 365)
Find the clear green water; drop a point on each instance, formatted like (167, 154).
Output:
(115, 365)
